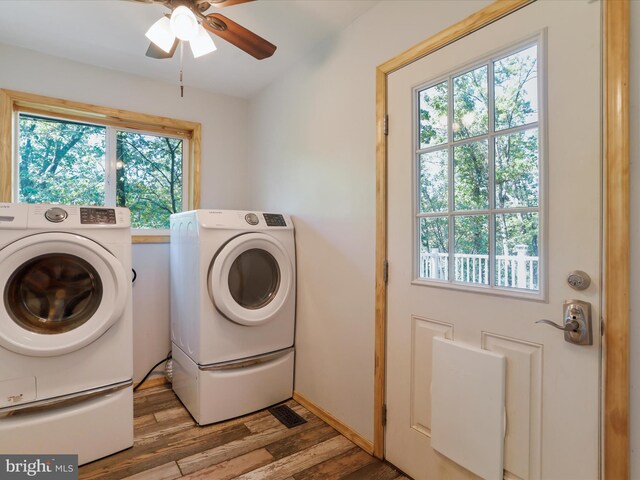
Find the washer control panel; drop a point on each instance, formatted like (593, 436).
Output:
(98, 216)
(56, 214)
(274, 220)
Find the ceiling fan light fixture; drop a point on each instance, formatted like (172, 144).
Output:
(202, 43)
(161, 34)
(184, 23)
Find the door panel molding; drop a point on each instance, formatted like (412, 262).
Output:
(616, 164)
(423, 331)
(523, 439)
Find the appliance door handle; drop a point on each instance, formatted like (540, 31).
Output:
(62, 401)
(247, 362)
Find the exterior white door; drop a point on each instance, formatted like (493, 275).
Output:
(494, 176)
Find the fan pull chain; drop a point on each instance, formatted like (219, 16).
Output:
(181, 58)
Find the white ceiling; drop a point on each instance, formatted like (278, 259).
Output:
(110, 34)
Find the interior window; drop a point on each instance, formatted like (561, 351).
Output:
(61, 161)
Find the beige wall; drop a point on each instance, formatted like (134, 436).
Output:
(313, 156)
(224, 131)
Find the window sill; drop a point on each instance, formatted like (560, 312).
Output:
(150, 239)
(533, 295)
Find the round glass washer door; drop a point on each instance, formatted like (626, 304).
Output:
(60, 293)
(250, 278)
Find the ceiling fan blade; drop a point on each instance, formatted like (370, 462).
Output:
(239, 36)
(227, 3)
(156, 52)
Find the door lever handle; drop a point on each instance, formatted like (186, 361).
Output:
(570, 326)
(577, 322)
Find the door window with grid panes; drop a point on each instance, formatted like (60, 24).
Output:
(478, 163)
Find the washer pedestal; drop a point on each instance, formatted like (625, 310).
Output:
(92, 428)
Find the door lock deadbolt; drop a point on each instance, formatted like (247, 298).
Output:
(579, 280)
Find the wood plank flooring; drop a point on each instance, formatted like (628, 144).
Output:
(169, 444)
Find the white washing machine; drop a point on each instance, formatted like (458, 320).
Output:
(66, 353)
(233, 293)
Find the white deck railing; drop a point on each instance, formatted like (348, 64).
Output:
(517, 271)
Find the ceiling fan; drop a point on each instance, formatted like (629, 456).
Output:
(189, 21)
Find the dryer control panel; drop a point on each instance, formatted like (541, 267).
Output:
(235, 219)
(99, 216)
(274, 220)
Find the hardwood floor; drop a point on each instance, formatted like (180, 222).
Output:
(169, 444)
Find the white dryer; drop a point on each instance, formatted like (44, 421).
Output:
(66, 359)
(233, 293)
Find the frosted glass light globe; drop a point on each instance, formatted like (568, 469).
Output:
(161, 34)
(201, 44)
(184, 23)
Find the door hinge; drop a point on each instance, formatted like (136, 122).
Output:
(385, 271)
(384, 414)
(385, 125)
(601, 328)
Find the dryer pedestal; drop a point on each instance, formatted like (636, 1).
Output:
(213, 393)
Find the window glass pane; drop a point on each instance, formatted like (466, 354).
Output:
(516, 170)
(149, 177)
(516, 89)
(471, 177)
(471, 259)
(434, 181)
(433, 115)
(470, 104)
(517, 260)
(60, 161)
(434, 248)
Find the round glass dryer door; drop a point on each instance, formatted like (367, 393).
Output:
(61, 292)
(254, 278)
(250, 278)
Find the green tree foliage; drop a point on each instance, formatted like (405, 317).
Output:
(64, 162)
(61, 162)
(515, 79)
(516, 155)
(470, 104)
(471, 178)
(149, 179)
(433, 115)
(434, 181)
(435, 234)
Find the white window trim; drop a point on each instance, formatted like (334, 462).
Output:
(541, 294)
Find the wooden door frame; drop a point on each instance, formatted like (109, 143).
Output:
(615, 97)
